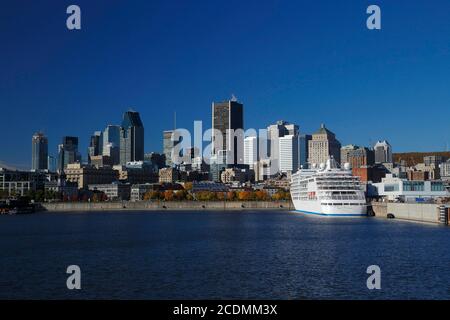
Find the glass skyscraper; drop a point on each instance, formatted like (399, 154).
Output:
(227, 116)
(95, 145)
(111, 143)
(131, 138)
(68, 152)
(39, 152)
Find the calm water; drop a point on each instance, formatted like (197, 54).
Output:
(190, 255)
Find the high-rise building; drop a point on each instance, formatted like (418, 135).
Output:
(95, 145)
(324, 145)
(303, 146)
(288, 153)
(274, 133)
(111, 143)
(250, 151)
(228, 132)
(39, 152)
(168, 146)
(51, 163)
(383, 152)
(345, 150)
(361, 157)
(68, 152)
(131, 138)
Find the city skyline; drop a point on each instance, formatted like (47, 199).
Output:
(385, 80)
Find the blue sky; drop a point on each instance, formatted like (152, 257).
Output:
(306, 62)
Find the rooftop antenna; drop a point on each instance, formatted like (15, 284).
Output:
(174, 120)
(233, 98)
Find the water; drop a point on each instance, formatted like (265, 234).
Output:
(226, 255)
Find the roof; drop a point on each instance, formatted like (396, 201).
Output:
(323, 130)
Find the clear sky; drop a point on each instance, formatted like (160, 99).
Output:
(306, 62)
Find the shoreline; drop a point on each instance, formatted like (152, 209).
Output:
(165, 206)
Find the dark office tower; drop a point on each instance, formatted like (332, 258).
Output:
(111, 143)
(39, 151)
(168, 146)
(228, 115)
(303, 149)
(131, 138)
(68, 152)
(95, 145)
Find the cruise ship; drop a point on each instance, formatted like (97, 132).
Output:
(328, 190)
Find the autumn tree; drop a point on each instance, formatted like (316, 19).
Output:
(168, 195)
(245, 195)
(231, 195)
(180, 194)
(261, 195)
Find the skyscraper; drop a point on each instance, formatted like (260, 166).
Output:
(95, 145)
(68, 152)
(288, 153)
(168, 146)
(383, 152)
(39, 151)
(303, 149)
(274, 132)
(111, 143)
(228, 132)
(250, 151)
(51, 163)
(324, 145)
(131, 138)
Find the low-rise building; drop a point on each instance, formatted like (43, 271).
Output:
(85, 175)
(230, 175)
(18, 183)
(211, 186)
(168, 175)
(139, 190)
(445, 170)
(417, 175)
(136, 172)
(101, 161)
(370, 173)
(15, 182)
(114, 191)
(396, 189)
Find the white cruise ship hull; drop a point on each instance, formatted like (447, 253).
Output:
(316, 208)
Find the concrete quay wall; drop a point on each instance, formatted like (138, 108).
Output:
(419, 212)
(169, 205)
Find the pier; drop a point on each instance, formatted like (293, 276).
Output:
(417, 212)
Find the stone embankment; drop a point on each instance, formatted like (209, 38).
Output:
(166, 205)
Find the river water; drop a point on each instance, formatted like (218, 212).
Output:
(220, 255)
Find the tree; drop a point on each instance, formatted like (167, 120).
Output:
(231, 195)
(220, 196)
(188, 186)
(180, 194)
(168, 195)
(278, 195)
(261, 195)
(245, 195)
